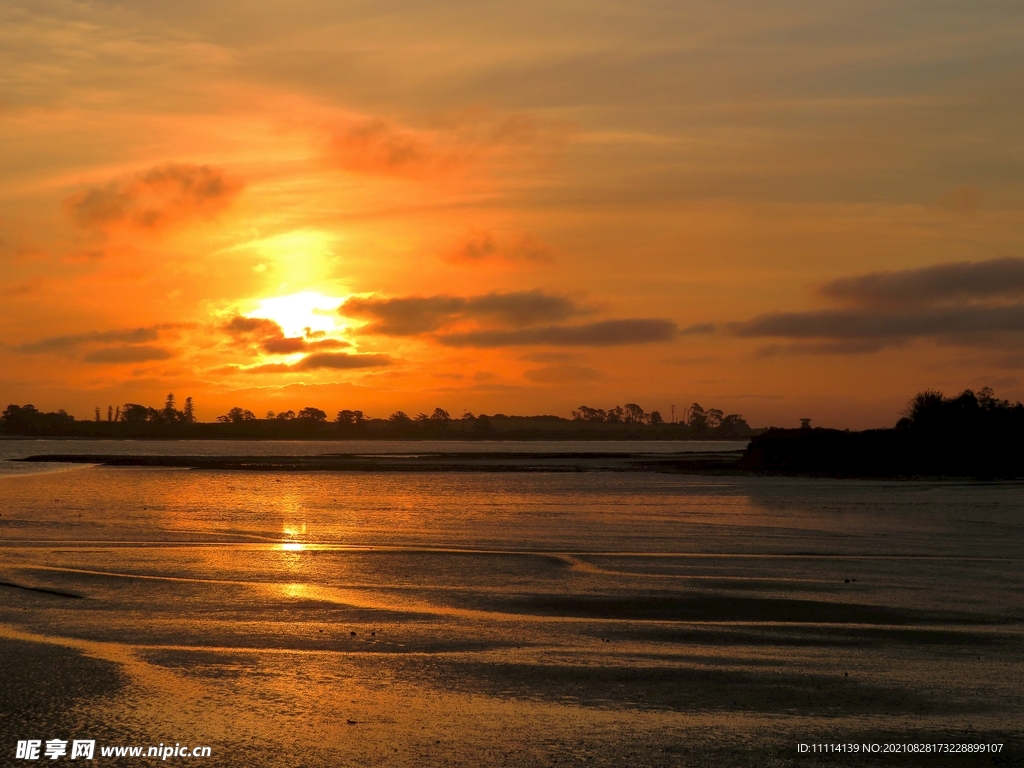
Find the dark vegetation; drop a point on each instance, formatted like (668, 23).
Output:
(134, 420)
(970, 435)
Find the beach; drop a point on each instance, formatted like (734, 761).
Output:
(485, 618)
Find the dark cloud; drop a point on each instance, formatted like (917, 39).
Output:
(957, 321)
(269, 337)
(605, 333)
(128, 353)
(155, 197)
(341, 361)
(415, 315)
(942, 283)
(239, 325)
(320, 360)
(73, 342)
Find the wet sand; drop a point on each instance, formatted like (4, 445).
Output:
(322, 620)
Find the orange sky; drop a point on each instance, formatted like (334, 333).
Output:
(795, 210)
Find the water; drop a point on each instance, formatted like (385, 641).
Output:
(23, 447)
(329, 619)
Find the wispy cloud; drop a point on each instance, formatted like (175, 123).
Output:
(74, 342)
(605, 333)
(155, 197)
(480, 246)
(414, 315)
(129, 353)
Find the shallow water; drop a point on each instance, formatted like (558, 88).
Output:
(521, 619)
(17, 448)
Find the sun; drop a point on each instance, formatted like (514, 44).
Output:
(301, 313)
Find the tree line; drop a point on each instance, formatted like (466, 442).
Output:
(134, 419)
(697, 422)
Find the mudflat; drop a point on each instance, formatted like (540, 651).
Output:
(321, 619)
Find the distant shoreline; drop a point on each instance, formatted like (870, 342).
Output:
(710, 461)
(739, 462)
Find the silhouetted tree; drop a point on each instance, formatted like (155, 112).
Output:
(634, 414)
(733, 426)
(188, 413)
(697, 420)
(285, 415)
(349, 418)
(170, 413)
(714, 417)
(482, 427)
(615, 415)
(28, 420)
(584, 413)
(655, 418)
(110, 413)
(237, 416)
(133, 413)
(310, 413)
(97, 413)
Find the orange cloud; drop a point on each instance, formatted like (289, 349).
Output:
(481, 246)
(413, 315)
(322, 360)
(269, 337)
(375, 146)
(154, 198)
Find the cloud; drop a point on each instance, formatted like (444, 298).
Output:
(128, 353)
(341, 361)
(376, 146)
(269, 337)
(321, 360)
(154, 198)
(860, 324)
(959, 281)
(416, 315)
(479, 246)
(698, 329)
(71, 343)
(605, 333)
(959, 303)
(291, 345)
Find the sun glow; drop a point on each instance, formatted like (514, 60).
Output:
(302, 313)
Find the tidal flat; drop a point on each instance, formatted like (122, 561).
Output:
(370, 618)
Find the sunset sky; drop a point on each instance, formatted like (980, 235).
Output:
(785, 210)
